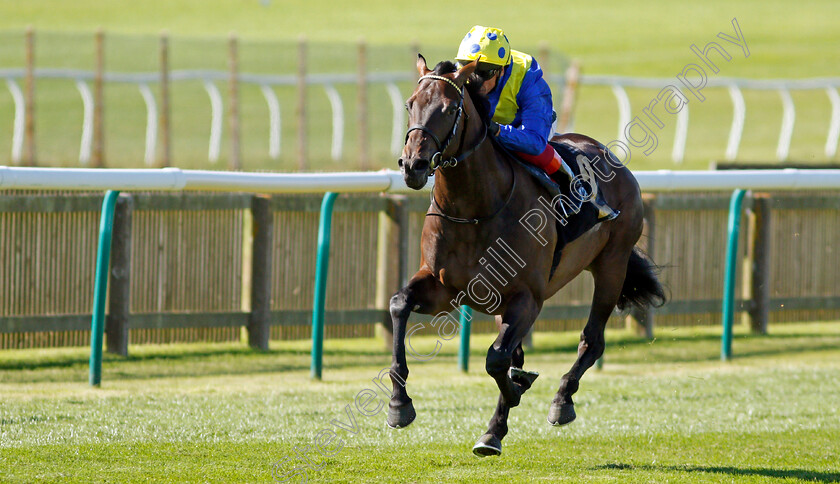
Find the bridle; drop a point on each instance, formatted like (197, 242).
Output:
(438, 161)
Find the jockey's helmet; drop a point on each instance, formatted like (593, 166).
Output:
(487, 44)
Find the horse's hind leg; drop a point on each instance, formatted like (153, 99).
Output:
(506, 352)
(608, 270)
(423, 294)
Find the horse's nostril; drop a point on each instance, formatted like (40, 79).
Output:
(400, 162)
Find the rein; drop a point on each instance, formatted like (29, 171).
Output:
(438, 161)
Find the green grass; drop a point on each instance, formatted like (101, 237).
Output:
(629, 38)
(660, 411)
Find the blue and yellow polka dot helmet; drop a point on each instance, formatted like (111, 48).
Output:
(488, 42)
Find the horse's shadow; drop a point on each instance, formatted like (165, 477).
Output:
(794, 342)
(192, 363)
(802, 474)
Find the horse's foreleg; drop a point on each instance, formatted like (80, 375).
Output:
(609, 273)
(423, 294)
(506, 352)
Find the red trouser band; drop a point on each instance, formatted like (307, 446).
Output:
(548, 160)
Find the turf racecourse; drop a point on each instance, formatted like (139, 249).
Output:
(661, 411)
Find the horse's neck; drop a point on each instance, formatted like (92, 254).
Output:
(476, 185)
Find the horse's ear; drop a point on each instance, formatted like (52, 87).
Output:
(421, 65)
(465, 72)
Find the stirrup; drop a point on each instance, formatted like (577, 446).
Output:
(605, 212)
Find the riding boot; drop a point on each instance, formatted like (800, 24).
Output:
(560, 177)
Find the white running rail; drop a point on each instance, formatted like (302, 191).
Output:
(618, 84)
(174, 179)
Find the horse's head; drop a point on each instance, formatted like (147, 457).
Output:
(435, 112)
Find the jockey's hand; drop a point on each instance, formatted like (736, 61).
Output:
(493, 128)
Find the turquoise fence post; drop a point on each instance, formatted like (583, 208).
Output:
(321, 266)
(464, 349)
(100, 285)
(734, 230)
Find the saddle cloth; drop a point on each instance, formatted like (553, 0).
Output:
(578, 212)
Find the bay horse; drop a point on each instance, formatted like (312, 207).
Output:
(479, 197)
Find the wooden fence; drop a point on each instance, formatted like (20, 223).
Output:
(201, 267)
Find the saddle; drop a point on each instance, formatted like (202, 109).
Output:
(581, 210)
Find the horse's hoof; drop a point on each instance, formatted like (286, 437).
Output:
(402, 416)
(487, 445)
(561, 414)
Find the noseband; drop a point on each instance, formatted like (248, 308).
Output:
(437, 159)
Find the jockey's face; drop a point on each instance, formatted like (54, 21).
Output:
(490, 84)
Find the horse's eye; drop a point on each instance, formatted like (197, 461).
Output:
(451, 111)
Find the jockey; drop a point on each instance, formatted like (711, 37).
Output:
(521, 106)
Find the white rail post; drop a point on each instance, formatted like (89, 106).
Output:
(739, 111)
(680, 135)
(337, 121)
(623, 110)
(788, 118)
(273, 120)
(216, 113)
(20, 120)
(398, 122)
(87, 123)
(834, 127)
(151, 124)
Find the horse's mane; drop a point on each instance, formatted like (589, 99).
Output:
(473, 85)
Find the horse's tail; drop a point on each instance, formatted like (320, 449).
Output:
(641, 285)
